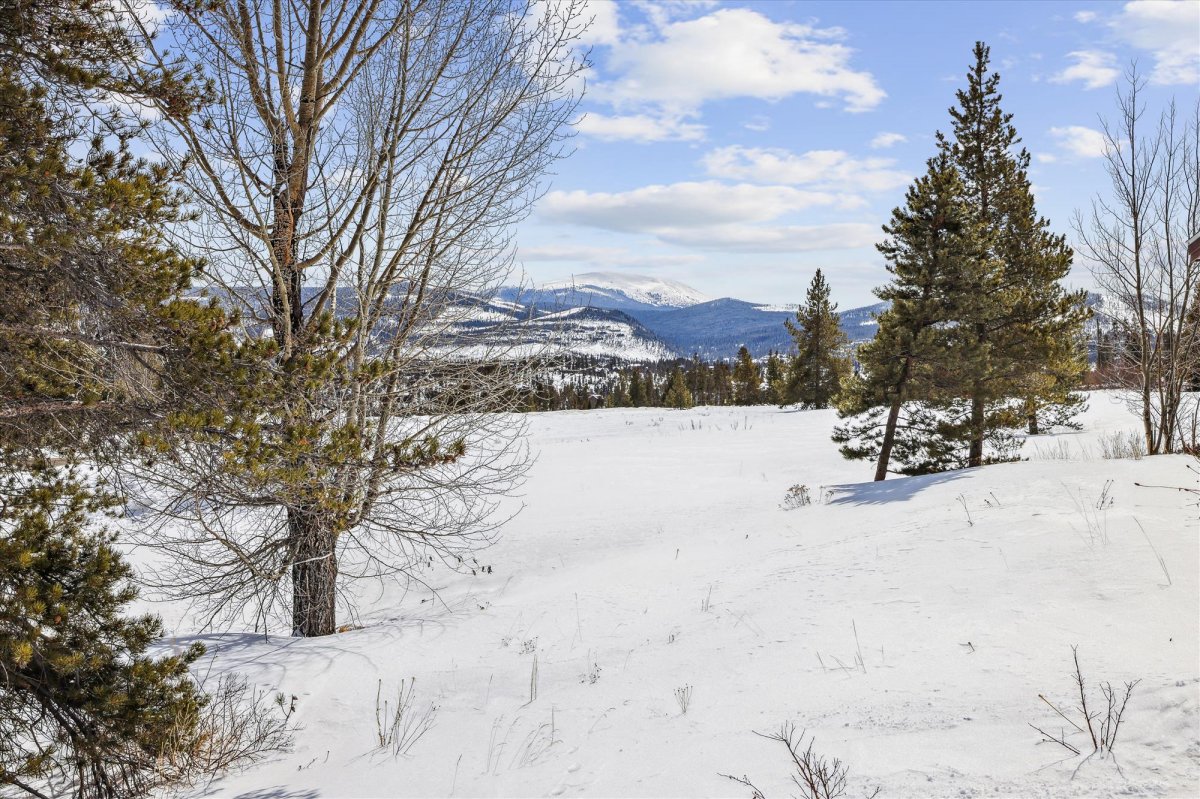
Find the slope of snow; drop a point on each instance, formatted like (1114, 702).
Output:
(581, 331)
(653, 555)
(648, 290)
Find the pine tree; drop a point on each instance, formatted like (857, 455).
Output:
(677, 394)
(97, 340)
(933, 241)
(821, 362)
(619, 397)
(637, 396)
(83, 708)
(1021, 315)
(776, 378)
(747, 380)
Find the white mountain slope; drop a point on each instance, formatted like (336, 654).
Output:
(590, 332)
(655, 291)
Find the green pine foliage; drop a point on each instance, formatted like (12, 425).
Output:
(1022, 322)
(93, 291)
(677, 394)
(821, 360)
(981, 338)
(84, 710)
(747, 379)
(96, 340)
(933, 240)
(776, 376)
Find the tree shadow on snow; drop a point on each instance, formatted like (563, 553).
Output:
(894, 489)
(280, 792)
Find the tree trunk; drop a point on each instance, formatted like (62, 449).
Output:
(975, 455)
(889, 438)
(314, 575)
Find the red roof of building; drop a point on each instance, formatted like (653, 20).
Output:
(1194, 248)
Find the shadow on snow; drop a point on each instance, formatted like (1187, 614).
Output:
(896, 489)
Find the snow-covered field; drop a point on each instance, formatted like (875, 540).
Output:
(909, 626)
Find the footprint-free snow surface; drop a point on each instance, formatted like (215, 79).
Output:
(909, 626)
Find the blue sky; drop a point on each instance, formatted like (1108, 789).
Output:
(739, 146)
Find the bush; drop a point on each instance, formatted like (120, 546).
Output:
(1115, 446)
(796, 497)
(1099, 726)
(816, 776)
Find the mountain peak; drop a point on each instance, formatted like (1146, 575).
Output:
(652, 291)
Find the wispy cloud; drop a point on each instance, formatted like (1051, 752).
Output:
(831, 170)
(605, 256)
(639, 128)
(1167, 30)
(711, 215)
(1095, 69)
(884, 140)
(1079, 141)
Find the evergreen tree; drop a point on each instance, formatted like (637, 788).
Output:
(820, 362)
(96, 342)
(83, 709)
(637, 395)
(722, 377)
(619, 397)
(1050, 396)
(1021, 317)
(92, 292)
(747, 380)
(776, 378)
(677, 394)
(932, 242)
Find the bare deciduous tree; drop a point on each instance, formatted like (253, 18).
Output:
(357, 184)
(1136, 241)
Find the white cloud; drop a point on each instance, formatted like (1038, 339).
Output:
(1045, 158)
(605, 256)
(884, 140)
(1085, 16)
(604, 27)
(662, 12)
(1094, 68)
(758, 124)
(1167, 29)
(639, 128)
(832, 170)
(734, 52)
(712, 215)
(651, 209)
(783, 238)
(1079, 141)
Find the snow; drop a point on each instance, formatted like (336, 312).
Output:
(962, 593)
(648, 290)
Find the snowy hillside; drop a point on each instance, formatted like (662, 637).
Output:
(607, 290)
(908, 625)
(589, 332)
(499, 329)
(653, 291)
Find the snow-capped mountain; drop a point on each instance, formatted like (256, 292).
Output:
(637, 319)
(685, 320)
(609, 290)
